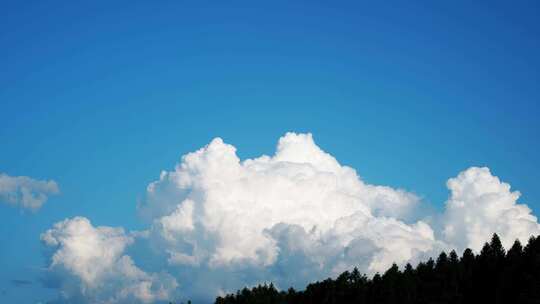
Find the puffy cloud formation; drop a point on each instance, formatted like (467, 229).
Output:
(480, 205)
(90, 267)
(218, 223)
(265, 215)
(26, 192)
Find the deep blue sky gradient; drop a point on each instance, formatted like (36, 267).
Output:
(101, 96)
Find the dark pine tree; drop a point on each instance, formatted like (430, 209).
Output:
(493, 276)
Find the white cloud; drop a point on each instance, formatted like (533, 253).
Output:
(26, 192)
(90, 265)
(217, 213)
(480, 205)
(219, 223)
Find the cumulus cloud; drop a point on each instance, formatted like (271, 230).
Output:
(217, 212)
(26, 192)
(217, 223)
(480, 205)
(90, 266)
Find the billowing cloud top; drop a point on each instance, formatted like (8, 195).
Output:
(480, 204)
(220, 223)
(238, 205)
(26, 192)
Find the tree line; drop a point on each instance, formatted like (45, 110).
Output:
(492, 276)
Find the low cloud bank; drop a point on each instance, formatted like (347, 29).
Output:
(219, 223)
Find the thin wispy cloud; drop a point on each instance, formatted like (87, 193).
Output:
(21, 283)
(26, 192)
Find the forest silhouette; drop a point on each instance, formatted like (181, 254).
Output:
(492, 276)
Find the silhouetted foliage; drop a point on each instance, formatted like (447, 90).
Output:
(493, 276)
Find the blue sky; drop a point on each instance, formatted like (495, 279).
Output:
(101, 97)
